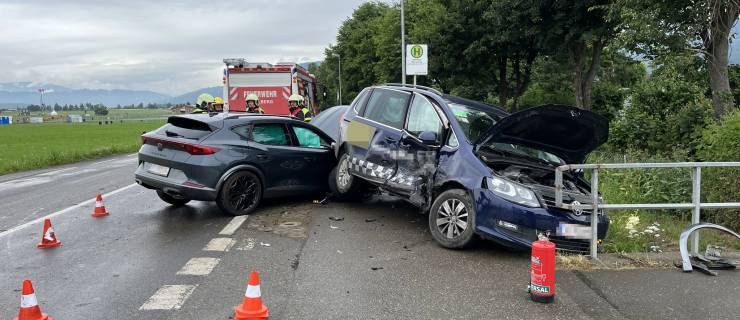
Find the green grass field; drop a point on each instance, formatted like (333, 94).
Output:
(33, 146)
(113, 114)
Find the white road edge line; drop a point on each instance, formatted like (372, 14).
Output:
(201, 266)
(234, 224)
(169, 297)
(65, 210)
(219, 244)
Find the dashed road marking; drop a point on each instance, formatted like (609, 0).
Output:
(53, 172)
(169, 297)
(219, 244)
(68, 209)
(201, 266)
(234, 224)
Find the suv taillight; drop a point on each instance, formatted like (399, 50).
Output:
(199, 150)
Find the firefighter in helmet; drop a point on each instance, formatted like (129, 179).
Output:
(203, 103)
(296, 108)
(253, 104)
(218, 104)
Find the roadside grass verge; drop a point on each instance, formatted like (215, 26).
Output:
(34, 146)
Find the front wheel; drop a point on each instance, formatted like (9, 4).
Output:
(240, 194)
(452, 219)
(177, 202)
(343, 184)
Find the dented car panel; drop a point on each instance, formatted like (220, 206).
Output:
(425, 144)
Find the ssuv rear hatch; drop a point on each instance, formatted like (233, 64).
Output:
(179, 139)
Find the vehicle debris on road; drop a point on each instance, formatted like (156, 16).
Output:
(336, 218)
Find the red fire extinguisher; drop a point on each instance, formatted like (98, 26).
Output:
(542, 280)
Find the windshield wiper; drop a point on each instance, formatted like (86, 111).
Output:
(521, 156)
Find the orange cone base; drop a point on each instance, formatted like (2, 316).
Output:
(44, 316)
(100, 212)
(241, 314)
(49, 245)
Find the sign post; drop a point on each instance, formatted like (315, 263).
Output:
(417, 62)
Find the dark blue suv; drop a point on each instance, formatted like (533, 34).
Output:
(474, 168)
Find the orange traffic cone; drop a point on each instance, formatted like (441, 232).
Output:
(30, 309)
(252, 307)
(49, 238)
(99, 207)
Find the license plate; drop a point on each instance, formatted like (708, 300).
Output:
(575, 231)
(158, 170)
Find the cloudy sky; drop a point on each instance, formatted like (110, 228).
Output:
(165, 46)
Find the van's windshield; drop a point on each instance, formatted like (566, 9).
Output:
(474, 122)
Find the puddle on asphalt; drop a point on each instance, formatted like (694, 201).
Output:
(290, 222)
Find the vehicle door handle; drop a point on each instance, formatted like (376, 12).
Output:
(262, 156)
(390, 139)
(308, 159)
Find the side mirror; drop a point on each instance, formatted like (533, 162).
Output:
(428, 138)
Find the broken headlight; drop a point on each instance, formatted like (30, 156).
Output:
(512, 191)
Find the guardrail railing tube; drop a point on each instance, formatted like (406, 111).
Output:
(696, 211)
(595, 212)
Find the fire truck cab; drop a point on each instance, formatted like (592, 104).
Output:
(272, 83)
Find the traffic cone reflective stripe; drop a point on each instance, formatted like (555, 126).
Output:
(99, 207)
(30, 309)
(252, 307)
(48, 238)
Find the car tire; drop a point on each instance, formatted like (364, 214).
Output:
(177, 202)
(240, 194)
(343, 184)
(452, 219)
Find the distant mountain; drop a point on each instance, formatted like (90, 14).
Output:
(193, 95)
(25, 93)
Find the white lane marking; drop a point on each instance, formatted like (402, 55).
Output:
(53, 172)
(201, 266)
(68, 209)
(219, 244)
(234, 224)
(169, 297)
(79, 172)
(21, 183)
(104, 161)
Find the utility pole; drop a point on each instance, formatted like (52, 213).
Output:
(403, 47)
(339, 91)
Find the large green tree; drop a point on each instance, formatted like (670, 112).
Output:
(656, 27)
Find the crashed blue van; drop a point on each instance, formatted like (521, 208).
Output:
(474, 168)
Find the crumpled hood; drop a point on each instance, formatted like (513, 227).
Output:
(567, 132)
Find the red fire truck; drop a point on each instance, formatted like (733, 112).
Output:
(272, 83)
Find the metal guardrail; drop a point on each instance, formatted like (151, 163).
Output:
(696, 205)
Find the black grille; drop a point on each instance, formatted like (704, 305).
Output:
(570, 245)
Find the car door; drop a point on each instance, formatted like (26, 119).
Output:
(374, 135)
(276, 156)
(419, 158)
(315, 150)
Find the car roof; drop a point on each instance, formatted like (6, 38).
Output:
(447, 98)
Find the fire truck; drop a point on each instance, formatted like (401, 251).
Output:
(272, 83)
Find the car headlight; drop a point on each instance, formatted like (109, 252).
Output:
(512, 191)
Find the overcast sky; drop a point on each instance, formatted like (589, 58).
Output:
(166, 46)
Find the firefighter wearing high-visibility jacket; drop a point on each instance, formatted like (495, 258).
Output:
(203, 103)
(253, 104)
(296, 108)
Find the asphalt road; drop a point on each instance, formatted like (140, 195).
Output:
(371, 260)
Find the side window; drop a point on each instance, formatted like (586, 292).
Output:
(422, 117)
(387, 107)
(307, 138)
(242, 131)
(360, 102)
(452, 140)
(270, 133)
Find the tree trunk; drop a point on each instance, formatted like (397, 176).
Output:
(576, 57)
(503, 86)
(583, 83)
(717, 45)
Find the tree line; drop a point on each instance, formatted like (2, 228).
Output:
(497, 51)
(92, 107)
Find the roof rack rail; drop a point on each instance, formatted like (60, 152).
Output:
(413, 86)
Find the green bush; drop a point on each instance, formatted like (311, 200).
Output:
(721, 142)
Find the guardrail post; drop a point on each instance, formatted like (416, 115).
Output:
(595, 212)
(696, 211)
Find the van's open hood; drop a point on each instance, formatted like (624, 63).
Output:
(567, 132)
